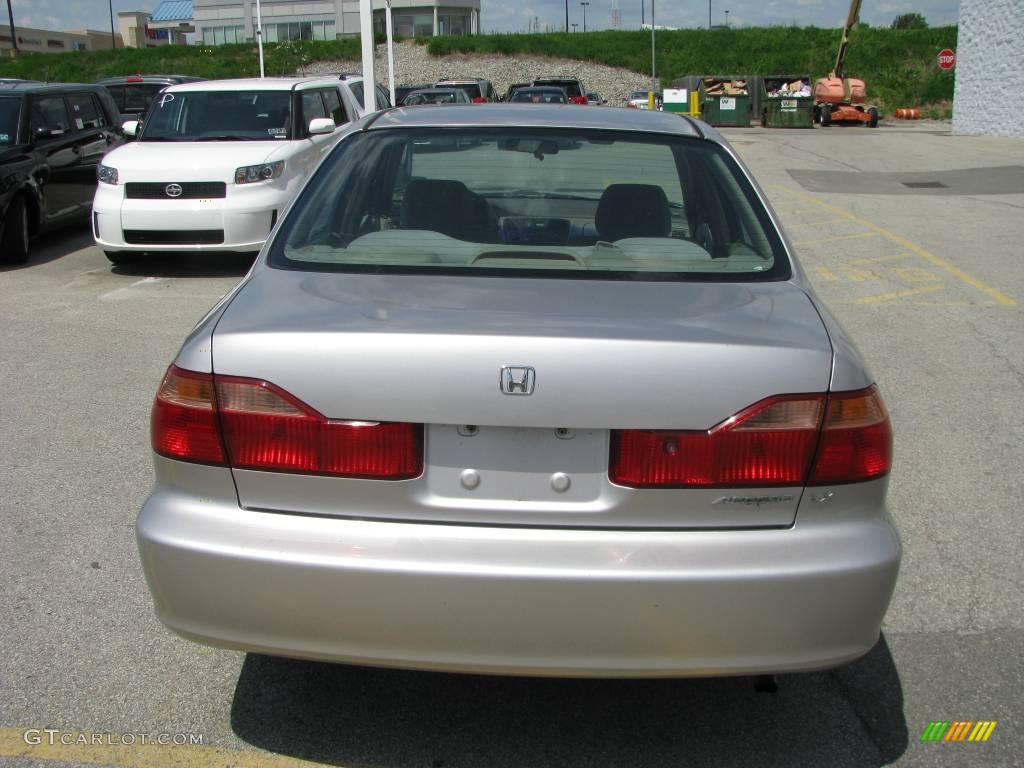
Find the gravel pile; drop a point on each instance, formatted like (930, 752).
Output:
(413, 65)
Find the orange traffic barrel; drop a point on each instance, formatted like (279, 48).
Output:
(908, 113)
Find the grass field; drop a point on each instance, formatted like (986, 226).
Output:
(899, 66)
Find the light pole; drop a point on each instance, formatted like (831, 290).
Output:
(654, 74)
(727, 18)
(566, 15)
(709, 14)
(113, 38)
(585, 4)
(14, 37)
(574, 27)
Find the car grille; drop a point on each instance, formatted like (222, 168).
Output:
(174, 236)
(190, 190)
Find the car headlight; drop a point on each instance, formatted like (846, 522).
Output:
(247, 174)
(106, 174)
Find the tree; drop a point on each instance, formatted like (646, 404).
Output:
(909, 21)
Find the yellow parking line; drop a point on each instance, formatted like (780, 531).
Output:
(12, 745)
(835, 239)
(883, 297)
(825, 273)
(998, 296)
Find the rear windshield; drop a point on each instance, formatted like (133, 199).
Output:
(529, 96)
(432, 97)
(472, 89)
(134, 98)
(219, 116)
(572, 87)
(541, 202)
(10, 109)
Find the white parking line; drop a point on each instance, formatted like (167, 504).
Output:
(120, 294)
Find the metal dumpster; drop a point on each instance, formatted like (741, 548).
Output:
(787, 101)
(725, 101)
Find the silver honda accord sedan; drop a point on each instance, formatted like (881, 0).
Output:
(534, 392)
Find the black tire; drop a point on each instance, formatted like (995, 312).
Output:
(873, 122)
(14, 245)
(122, 257)
(825, 116)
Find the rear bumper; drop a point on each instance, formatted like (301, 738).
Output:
(519, 600)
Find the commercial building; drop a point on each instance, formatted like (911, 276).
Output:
(32, 40)
(227, 21)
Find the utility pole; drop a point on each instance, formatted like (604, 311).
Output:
(709, 14)
(641, 14)
(14, 37)
(585, 4)
(654, 75)
(566, 15)
(574, 27)
(113, 38)
(726, 18)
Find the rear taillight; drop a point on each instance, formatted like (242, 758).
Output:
(782, 441)
(183, 424)
(856, 439)
(577, 99)
(262, 427)
(479, 100)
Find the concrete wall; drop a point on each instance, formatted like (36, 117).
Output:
(989, 68)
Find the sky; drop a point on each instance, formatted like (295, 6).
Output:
(518, 15)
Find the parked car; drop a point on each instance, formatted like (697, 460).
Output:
(540, 95)
(512, 89)
(572, 86)
(52, 137)
(595, 100)
(479, 91)
(216, 163)
(134, 93)
(354, 84)
(401, 91)
(638, 100)
(436, 96)
(536, 392)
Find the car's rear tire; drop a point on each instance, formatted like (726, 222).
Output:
(122, 257)
(14, 245)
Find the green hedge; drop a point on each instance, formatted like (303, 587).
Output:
(899, 66)
(221, 61)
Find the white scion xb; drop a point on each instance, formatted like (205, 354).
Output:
(216, 163)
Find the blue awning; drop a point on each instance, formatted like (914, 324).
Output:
(173, 10)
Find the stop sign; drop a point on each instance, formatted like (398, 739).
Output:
(947, 58)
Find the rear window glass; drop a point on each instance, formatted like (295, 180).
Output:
(592, 204)
(472, 89)
(219, 116)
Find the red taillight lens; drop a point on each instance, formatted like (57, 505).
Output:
(183, 424)
(265, 428)
(251, 424)
(770, 443)
(577, 99)
(856, 439)
(479, 100)
(781, 441)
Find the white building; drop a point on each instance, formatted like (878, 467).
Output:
(234, 21)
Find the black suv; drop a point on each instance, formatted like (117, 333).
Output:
(52, 136)
(134, 93)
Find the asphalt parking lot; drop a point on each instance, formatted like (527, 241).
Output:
(914, 239)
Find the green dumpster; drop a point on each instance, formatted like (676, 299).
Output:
(725, 101)
(787, 102)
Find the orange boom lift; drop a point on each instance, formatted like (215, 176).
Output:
(839, 99)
